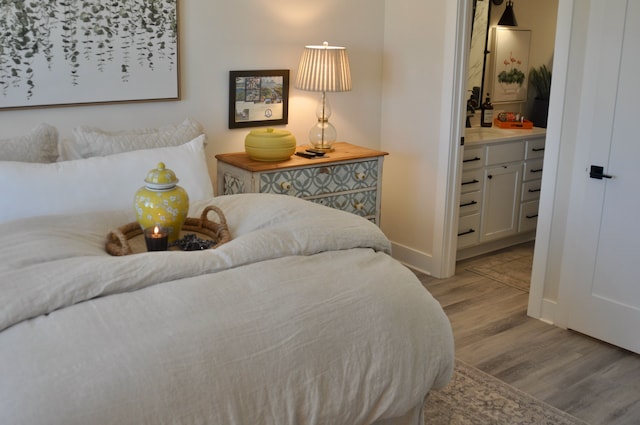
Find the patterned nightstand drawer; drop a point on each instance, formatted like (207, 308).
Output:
(362, 203)
(348, 179)
(321, 180)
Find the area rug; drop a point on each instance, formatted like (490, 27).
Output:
(476, 398)
(511, 267)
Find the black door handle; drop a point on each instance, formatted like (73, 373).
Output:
(597, 172)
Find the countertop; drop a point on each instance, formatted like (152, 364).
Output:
(481, 135)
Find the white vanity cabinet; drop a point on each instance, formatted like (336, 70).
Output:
(471, 196)
(532, 182)
(500, 189)
(501, 197)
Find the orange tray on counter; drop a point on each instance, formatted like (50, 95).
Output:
(526, 124)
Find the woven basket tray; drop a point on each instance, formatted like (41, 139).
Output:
(128, 239)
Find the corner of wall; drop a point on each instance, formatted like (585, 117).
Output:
(412, 258)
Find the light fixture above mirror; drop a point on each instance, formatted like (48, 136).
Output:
(508, 18)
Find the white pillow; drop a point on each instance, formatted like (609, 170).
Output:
(97, 184)
(39, 145)
(91, 141)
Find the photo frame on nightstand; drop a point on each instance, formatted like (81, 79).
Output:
(258, 98)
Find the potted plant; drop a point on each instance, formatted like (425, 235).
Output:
(540, 80)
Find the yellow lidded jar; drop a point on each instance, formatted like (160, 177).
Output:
(161, 202)
(269, 144)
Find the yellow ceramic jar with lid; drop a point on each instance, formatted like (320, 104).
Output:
(269, 144)
(161, 202)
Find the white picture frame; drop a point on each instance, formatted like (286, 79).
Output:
(510, 59)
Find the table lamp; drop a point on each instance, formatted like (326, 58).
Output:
(323, 69)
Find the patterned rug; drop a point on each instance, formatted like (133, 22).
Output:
(511, 266)
(476, 398)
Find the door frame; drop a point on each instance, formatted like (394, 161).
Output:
(445, 244)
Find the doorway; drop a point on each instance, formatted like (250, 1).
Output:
(541, 18)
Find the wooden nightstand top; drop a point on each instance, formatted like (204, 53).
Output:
(343, 152)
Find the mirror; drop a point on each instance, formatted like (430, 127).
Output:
(478, 50)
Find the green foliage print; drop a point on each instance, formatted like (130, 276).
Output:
(103, 32)
(511, 74)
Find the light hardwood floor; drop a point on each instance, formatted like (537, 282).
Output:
(587, 378)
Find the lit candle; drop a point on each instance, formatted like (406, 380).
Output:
(157, 238)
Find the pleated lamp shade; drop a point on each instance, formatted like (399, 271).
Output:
(324, 69)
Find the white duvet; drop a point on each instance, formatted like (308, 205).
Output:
(303, 318)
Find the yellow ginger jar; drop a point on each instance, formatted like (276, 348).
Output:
(161, 202)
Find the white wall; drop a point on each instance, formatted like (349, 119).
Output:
(217, 36)
(411, 126)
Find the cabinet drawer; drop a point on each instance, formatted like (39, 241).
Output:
(472, 158)
(528, 216)
(471, 181)
(532, 170)
(470, 202)
(359, 203)
(505, 152)
(468, 230)
(535, 148)
(531, 190)
(314, 181)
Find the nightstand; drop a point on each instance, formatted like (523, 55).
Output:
(348, 179)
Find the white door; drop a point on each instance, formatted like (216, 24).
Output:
(603, 250)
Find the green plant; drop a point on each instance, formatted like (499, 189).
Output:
(514, 76)
(540, 79)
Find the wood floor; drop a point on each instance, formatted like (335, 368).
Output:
(591, 380)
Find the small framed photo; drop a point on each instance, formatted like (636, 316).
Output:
(258, 98)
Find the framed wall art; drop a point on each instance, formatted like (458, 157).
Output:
(88, 51)
(510, 65)
(258, 98)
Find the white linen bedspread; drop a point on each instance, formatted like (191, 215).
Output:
(303, 318)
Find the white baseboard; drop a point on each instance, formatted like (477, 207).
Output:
(412, 258)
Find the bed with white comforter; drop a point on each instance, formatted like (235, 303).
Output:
(302, 318)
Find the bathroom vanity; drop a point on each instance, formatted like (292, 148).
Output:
(500, 188)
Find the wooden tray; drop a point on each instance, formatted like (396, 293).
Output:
(128, 239)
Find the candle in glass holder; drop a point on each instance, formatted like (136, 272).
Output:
(157, 238)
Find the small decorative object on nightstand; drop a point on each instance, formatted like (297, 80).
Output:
(348, 179)
(268, 144)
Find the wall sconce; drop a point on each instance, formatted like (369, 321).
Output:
(508, 18)
(324, 69)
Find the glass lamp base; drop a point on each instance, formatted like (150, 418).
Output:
(322, 136)
(325, 148)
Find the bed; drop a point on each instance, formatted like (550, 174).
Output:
(302, 318)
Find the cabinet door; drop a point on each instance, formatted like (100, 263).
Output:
(501, 201)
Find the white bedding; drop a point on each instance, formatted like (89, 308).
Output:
(303, 318)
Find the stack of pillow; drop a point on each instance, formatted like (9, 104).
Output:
(97, 170)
